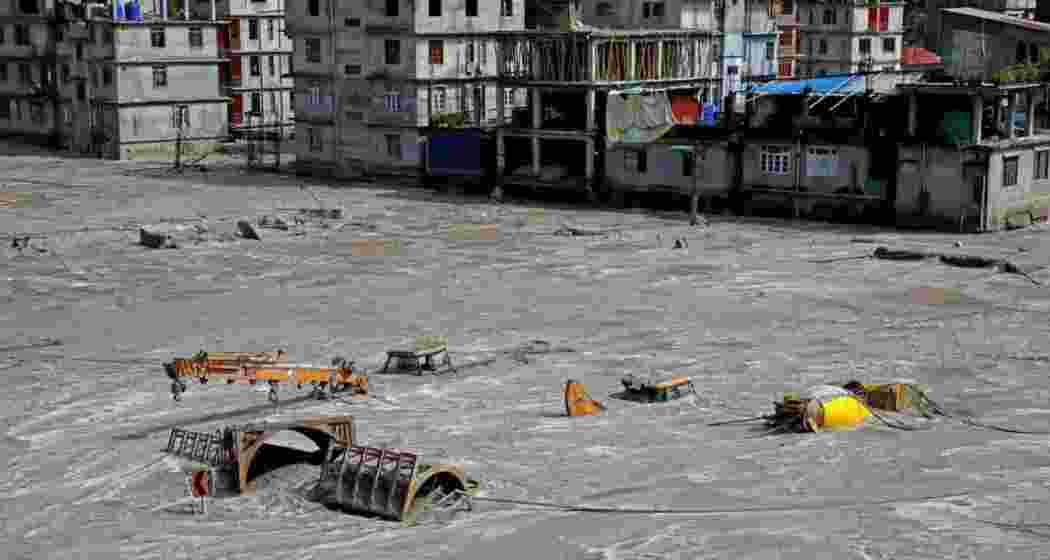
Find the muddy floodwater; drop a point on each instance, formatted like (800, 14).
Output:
(741, 310)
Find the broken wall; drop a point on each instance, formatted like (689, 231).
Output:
(665, 169)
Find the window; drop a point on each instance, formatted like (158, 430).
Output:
(3, 71)
(506, 8)
(355, 116)
(253, 30)
(1042, 164)
(688, 164)
(5, 109)
(604, 9)
(437, 52)
(653, 10)
(392, 102)
(1010, 171)
(156, 38)
(313, 49)
(2, 39)
(636, 160)
(273, 64)
(352, 69)
(196, 38)
(22, 35)
(255, 104)
(823, 46)
(352, 22)
(776, 160)
(1022, 53)
(81, 91)
(770, 51)
(160, 76)
(435, 8)
(107, 76)
(314, 139)
(25, 74)
(271, 29)
(80, 51)
(813, 16)
(508, 97)
(822, 162)
(472, 8)
(470, 53)
(392, 48)
(392, 8)
(253, 65)
(28, 6)
(393, 146)
(94, 76)
(864, 45)
(829, 17)
(889, 45)
(438, 102)
(313, 7)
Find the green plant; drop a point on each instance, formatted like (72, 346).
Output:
(448, 120)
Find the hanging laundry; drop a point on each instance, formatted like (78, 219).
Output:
(710, 114)
(685, 109)
(637, 119)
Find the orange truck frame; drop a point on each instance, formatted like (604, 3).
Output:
(265, 367)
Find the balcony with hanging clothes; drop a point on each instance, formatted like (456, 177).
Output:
(606, 58)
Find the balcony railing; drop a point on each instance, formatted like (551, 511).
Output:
(587, 57)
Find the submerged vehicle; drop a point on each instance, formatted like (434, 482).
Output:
(650, 390)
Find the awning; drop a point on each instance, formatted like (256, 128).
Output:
(833, 85)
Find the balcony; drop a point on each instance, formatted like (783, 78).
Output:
(599, 57)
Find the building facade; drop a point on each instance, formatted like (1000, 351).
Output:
(850, 36)
(93, 81)
(370, 76)
(257, 77)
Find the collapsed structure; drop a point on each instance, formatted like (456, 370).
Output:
(393, 484)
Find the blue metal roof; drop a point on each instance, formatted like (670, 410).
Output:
(841, 84)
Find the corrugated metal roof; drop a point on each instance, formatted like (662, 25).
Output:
(999, 18)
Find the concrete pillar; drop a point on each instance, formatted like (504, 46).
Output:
(1029, 114)
(501, 151)
(590, 110)
(501, 108)
(976, 121)
(1011, 107)
(213, 14)
(913, 113)
(186, 10)
(537, 123)
(589, 148)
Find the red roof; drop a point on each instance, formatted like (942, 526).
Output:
(914, 56)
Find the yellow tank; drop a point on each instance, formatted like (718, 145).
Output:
(836, 413)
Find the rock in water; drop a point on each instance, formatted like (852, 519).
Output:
(247, 231)
(156, 240)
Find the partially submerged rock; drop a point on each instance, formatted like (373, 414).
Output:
(246, 230)
(156, 240)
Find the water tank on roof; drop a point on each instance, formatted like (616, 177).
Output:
(133, 10)
(118, 9)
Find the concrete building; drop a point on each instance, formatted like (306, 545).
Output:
(980, 43)
(851, 36)
(257, 77)
(930, 28)
(370, 76)
(94, 81)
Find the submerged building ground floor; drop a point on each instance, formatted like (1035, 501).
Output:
(959, 157)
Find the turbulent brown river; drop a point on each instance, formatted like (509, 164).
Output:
(741, 310)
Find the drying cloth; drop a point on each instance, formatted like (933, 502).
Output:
(637, 119)
(685, 109)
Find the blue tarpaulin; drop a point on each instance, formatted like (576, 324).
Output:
(843, 85)
(456, 153)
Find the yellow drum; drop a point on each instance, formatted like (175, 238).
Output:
(835, 412)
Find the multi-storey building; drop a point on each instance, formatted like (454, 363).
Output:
(850, 36)
(369, 76)
(95, 81)
(257, 76)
